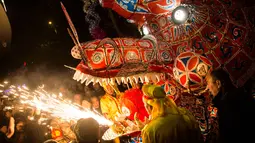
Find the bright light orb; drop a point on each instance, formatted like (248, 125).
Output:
(180, 15)
(50, 23)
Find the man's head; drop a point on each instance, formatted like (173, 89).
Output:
(87, 130)
(217, 80)
(29, 112)
(20, 125)
(99, 90)
(77, 99)
(87, 90)
(8, 113)
(97, 86)
(152, 94)
(95, 102)
(62, 89)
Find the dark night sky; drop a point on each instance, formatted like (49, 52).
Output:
(36, 43)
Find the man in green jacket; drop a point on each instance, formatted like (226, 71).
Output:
(168, 123)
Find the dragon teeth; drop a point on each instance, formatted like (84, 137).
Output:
(80, 77)
(144, 78)
(84, 78)
(103, 80)
(136, 78)
(89, 80)
(153, 78)
(118, 80)
(124, 80)
(76, 75)
(141, 77)
(98, 80)
(129, 79)
(95, 81)
(158, 77)
(112, 81)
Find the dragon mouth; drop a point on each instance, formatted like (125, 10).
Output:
(142, 77)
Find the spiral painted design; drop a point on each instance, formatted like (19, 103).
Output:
(131, 55)
(165, 56)
(97, 57)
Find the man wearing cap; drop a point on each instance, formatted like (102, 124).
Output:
(168, 123)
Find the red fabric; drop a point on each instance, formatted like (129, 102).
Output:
(133, 100)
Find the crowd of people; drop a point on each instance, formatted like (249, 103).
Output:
(156, 115)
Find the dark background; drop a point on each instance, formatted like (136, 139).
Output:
(35, 46)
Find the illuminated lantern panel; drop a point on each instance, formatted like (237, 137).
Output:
(190, 70)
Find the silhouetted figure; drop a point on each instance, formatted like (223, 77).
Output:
(19, 134)
(235, 108)
(99, 90)
(87, 131)
(34, 133)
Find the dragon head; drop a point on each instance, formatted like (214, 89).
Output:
(122, 60)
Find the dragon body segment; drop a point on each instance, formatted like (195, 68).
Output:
(216, 29)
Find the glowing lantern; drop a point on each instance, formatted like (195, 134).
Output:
(190, 70)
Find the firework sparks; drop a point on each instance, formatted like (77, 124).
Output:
(53, 104)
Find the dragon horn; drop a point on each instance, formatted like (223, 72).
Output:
(114, 45)
(74, 33)
(154, 42)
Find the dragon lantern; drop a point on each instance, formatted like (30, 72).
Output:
(218, 30)
(218, 33)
